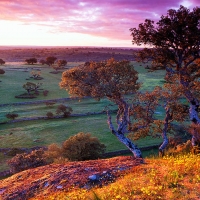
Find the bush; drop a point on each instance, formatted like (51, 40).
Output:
(49, 115)
(26, 161)
(82, 146)
(2, 62)
(65, 110)
(45, 92)
(11, 116)
(2, 71)
(182, 149)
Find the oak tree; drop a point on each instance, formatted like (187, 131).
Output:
(174, 44)
(2, 62)
(50, 60)
(65, 110)
(2, 71)
(109, 79)
(31, 61)
(31, 87)
(12, 116)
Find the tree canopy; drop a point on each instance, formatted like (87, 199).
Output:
(109, 78)
(31, 61)
(174, 43)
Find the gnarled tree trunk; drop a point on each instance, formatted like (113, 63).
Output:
(123, 121)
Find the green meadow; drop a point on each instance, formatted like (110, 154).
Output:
(44, 132)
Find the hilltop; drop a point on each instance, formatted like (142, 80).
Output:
(119, 178)
(64, 177)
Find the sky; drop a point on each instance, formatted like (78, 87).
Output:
(104, 23)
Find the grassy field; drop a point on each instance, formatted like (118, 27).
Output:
(44, 132)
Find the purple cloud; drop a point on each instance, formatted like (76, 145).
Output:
(110, 19)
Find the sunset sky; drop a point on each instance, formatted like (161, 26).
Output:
(78, 22)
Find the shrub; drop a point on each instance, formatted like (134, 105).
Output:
(82, 146)
(31, 61)
(2, 62)
(42, 61)
(2, 71)
(26, 161)
(54, 154)
(11, 116)
(45, 92)
(49, 115)
(66, 110)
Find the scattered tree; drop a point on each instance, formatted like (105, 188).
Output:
(36, 75)
(2, 62)
(61, 63)
(65, 110)
(31, 61)
(50, 60)
(176, 46)
(29, 87)
(42, 61)
(49, 115)
(12, 116)
(2, 71)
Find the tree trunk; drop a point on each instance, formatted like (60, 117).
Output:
(128, 143)
(164, 132)
(194, 106)
(122, 121)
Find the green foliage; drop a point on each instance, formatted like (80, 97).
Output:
(82, 146)
(26, 161)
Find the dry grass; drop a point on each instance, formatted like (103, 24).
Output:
(168, 178)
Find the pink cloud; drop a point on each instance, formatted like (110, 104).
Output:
(111, 19)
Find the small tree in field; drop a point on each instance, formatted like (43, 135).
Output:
(12, 116)
(82, 146)
(36, 74)
(109, 79)
(31, 87)
(31, 61)
(50, 60)
(2, 71)
(65, 110)
(49, 115)
(2, 62)
(42, 61)
(176, 46)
